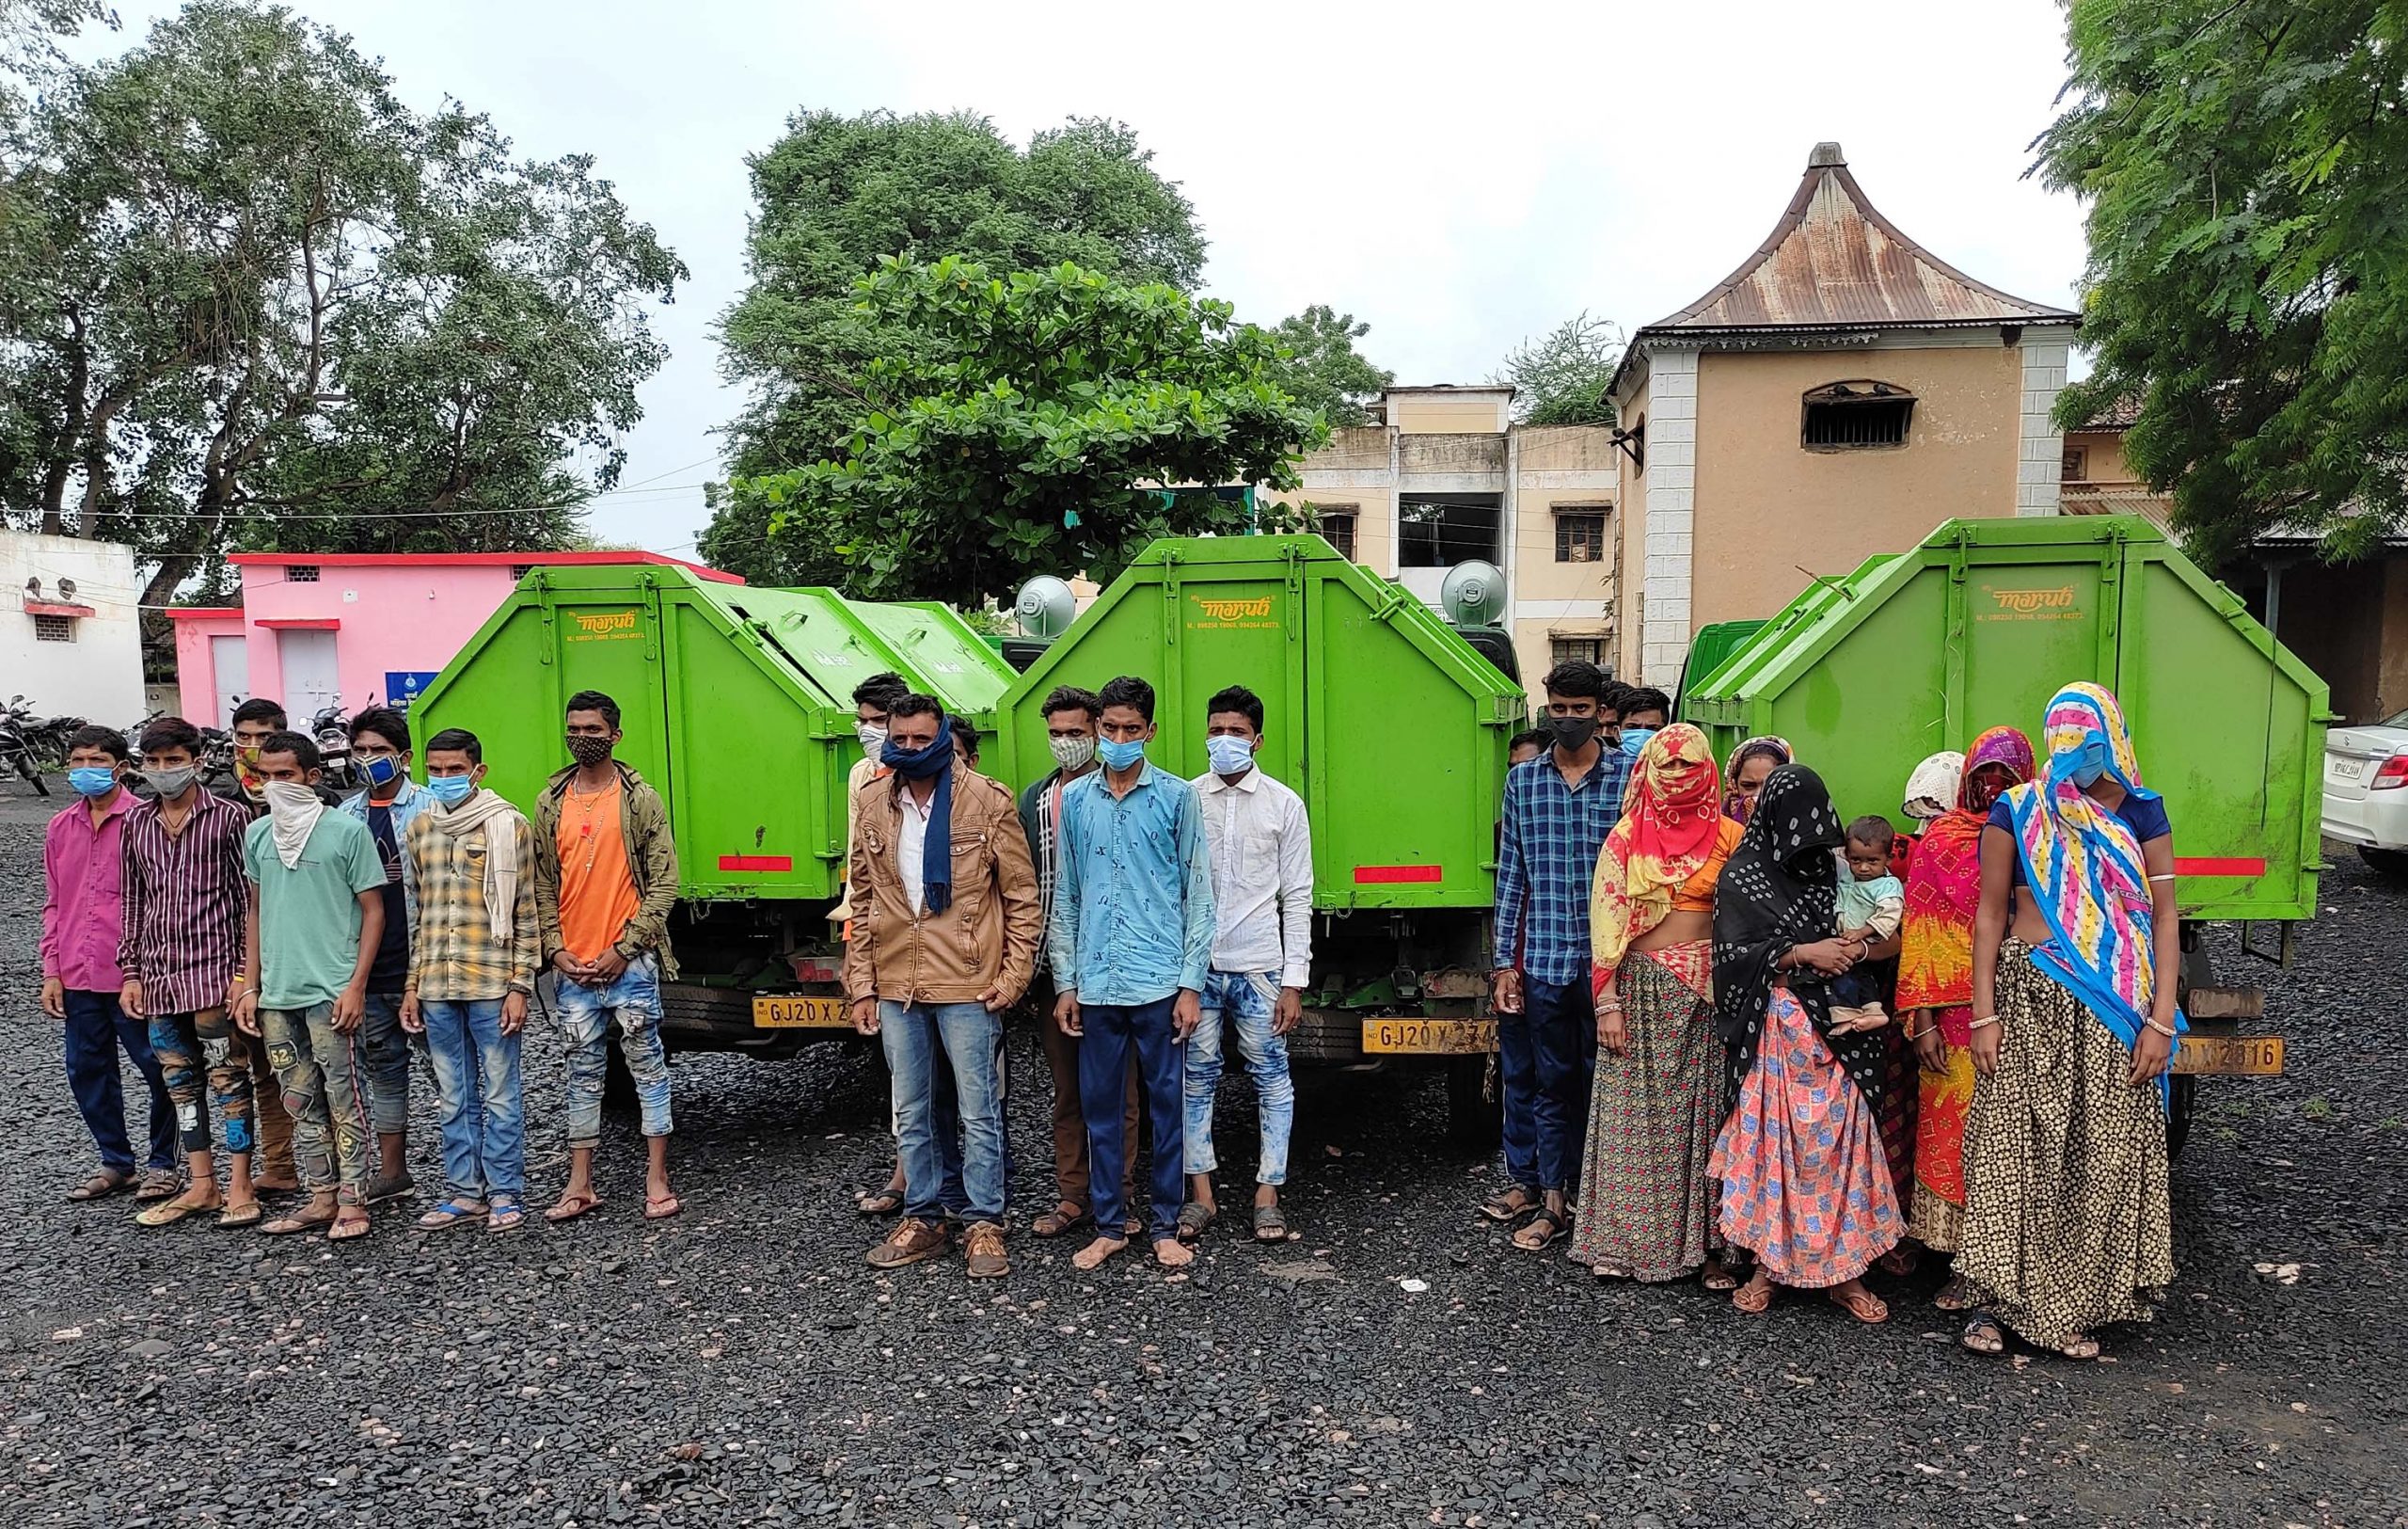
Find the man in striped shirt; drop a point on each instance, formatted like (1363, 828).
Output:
(181, 956)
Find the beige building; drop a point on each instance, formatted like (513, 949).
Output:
(1445, 476)
(1838, 395)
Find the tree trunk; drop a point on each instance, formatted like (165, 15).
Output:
(158, 633)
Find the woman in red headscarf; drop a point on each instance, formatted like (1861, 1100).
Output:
(1646, 1207)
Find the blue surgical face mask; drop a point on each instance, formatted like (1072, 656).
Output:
(450, 789)
(1230, 756)
(92, 780)
(2091, 762)
(1120, 755)
(380, 768)
(2086, 775)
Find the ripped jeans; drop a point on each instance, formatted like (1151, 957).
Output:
(192, 1048)
(584, 1016)
(322, 1073)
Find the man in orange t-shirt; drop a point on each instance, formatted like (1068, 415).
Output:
(606, 877)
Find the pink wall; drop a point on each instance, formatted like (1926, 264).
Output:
(196, 680)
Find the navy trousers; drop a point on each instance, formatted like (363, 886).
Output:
(1112, 1032)
(96, 1028)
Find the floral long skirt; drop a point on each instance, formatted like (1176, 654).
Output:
(1805, 1184)
(1646, 1209)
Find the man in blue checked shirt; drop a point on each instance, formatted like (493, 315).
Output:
(1129, 939)
(1559, 808)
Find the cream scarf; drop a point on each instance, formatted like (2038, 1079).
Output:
(501, 852)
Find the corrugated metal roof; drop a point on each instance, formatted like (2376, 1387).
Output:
(1833, 262)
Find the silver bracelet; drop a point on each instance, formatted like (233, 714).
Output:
(1984, 1022)
(2167, 1030)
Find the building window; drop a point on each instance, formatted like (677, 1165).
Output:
(1580, 534)
(520, 570)
(2077, 468)
(1335, 523)
(1438, 530)
(54, 628)
(300, 573)
(1577, 649)
(1852, 416)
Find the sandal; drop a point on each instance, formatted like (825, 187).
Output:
(158, 1184)
(1270, 1224)
(1900, 1261)
(1717, 1277)
(572, 1206)
(1863, 1304)
(507, 1215)
(350, 1224)
(1983, 1335)
(450, 1214)
(1194, 1218)
(1958, 1295)
(297, 1224)
(174, 1211)
(1511, 1203)
(1554, 1222)
(239, 1215)
(884, 1202)
(1753, 1298)
(101, 1185)
(661, 1208)
(1064, 1216)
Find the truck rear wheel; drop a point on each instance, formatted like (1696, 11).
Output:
(1474, 1120)
(2391, 864)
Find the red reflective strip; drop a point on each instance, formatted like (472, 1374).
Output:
(2214, 866)
(756, 862)
(1391, 875)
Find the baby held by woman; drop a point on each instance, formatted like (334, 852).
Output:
(1872, 902)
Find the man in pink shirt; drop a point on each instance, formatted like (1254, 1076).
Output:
(83, 863)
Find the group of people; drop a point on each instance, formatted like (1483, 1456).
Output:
(1802, 1049)
(262, 955)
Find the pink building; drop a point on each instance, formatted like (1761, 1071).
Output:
(351, 629)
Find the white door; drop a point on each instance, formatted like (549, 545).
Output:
(230, 662)
(309, 684)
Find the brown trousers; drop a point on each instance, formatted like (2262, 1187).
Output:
(271, 1123)
(1069, 1125)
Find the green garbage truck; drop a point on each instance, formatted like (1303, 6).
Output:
(1979, 625)
(1388, 724)
(736, 706)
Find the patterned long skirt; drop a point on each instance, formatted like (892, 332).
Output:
(1805, 1186)
(1938, 1217)
(1646, 1211)
(1899, 1108)
(2068, 1217)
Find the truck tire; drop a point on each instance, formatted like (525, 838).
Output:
(2391, 864)
(1474, 1120)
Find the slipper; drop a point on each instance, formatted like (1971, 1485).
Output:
(573, 1206)
(1508, 1204)
(662, 1208)
(1556, 1223)
(1863, 1305)
(1958, 1295)
(1064, 1216)
(508, 1215)
(884, 1202)
(1270, 1224)
(349, 1226)
(1752, 1298)
(381, 1190)
(1900, 1261)
(289, 1226)
(1194, 1218)
(1718, 1278)
(450, 1214)
(236, 1218)
(108, 1181)
(172, 1212)
(158, 1184)
(1984, 1335)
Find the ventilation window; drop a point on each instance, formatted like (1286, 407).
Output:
(2076, 464)
(1335, 523)
(1577, 651)
(54, 628)
(300, 573)
(1580, 534)
(1853, 416)
(520, 570)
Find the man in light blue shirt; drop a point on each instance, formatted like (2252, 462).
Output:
(1129, 940)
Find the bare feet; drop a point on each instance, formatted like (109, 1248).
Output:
(1092, 1256)
(1171, 1254)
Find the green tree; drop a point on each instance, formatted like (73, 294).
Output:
(1020, 430)
(1327, 371)
(1565, 375)
(254, 301)
(2246, 162)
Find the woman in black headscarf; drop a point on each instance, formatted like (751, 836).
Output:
(1805, 1186)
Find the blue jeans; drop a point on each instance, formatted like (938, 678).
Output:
(96, 1027)
(1248, 1000)
(958, 1041)
(476, 1081)
(585, 1015)
(1545, 1055)
(1112, 1032)
(387, 1048)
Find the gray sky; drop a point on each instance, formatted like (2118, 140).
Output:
(1460, 184)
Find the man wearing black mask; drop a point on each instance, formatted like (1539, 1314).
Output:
(1559, 808)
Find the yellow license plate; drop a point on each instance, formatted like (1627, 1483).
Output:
(1429, 1037)
(2244, 1056)
(798, 1013)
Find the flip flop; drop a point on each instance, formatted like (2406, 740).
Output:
(172, 1212)
(508, 1215)
(1984, 1335)
(573, 1206)
(236, 1218)
(662, 1208)
(293, 1226)
(882, 1202)
(1863, 1305)
(450, 1214)
(348, 1228)
(108, 1181)
(1194, 1218)
(1270, 1224)
(1753, 1300)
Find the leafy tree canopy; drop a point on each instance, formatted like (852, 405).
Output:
(254, 301)
(2246, 164)
(1022, 428)
(1564, 376)
(1327, 373)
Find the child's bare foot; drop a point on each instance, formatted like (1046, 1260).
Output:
(1094, 1253)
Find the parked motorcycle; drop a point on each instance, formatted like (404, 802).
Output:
(332, 729)
(18, 729)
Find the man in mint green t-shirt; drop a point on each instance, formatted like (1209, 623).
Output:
(317, 915)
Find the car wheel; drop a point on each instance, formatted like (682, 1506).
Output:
(2392, 864)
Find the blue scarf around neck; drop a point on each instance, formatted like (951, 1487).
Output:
(936, 861)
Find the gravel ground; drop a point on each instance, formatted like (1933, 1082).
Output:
(1398, 1364)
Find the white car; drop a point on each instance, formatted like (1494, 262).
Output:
(2365, 791)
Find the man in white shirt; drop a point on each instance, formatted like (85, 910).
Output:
(1262, 854)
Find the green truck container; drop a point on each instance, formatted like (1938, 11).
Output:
(736, 706)
(1380, 715)
(1715, 642)
(1980, 625)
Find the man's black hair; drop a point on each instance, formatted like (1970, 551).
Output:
(94, 736)
(303, 751)
(1074, 698)
(457, 740)
(913, 704)
(1646, 698)
(594, 701)
(1873, 831)
(881, 691)
(172, 733)
(1574, 679)
(259, 709)
(1615, 697)
(1540, 738)
(1129, 691)
(385, 722)
(1239, 699)
(965, 734)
